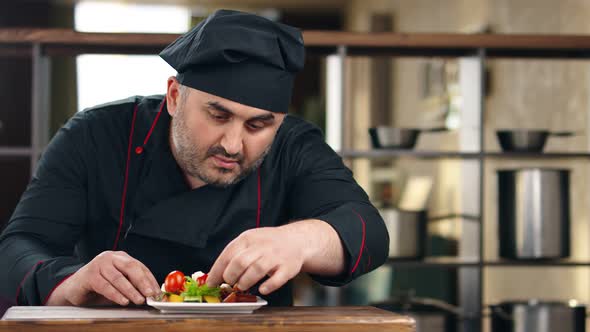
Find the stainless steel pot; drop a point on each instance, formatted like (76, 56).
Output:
(538, 316)
(407, 232)
(533, 212)
(397, 138)
(526, 140)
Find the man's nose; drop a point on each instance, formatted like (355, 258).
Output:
(232, 141)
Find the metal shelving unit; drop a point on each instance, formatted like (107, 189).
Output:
(473, 268)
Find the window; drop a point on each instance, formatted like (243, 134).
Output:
(104, 78)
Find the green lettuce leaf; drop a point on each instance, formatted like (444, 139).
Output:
(192, 290)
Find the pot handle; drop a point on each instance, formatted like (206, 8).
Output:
(501, 313)
(563, 133)
(440, 304)
(443, 306)
(434, 130)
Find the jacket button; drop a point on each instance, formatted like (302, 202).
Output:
(138, 150)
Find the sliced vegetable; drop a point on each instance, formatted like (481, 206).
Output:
(243, 297)
(231, 298)
(240, 297)
(211, 299)
(198, 298)
(174, 298)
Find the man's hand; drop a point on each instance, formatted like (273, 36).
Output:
(111, 277)
(280, 253)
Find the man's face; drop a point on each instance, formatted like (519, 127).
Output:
(217, 141)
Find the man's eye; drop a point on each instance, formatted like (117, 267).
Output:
(255, 126)
(219, 117)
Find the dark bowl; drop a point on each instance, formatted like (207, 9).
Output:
(393, 138)
(522, 140)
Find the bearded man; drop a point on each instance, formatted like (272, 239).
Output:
(213, 176)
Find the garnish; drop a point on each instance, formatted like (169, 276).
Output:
(195, 290)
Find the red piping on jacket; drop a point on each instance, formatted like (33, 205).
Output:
(258, 206)
(147, 137)
(23, 281)
(138, 150)
(122, 212)
(362, 244)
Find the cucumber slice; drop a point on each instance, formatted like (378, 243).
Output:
(193, 299)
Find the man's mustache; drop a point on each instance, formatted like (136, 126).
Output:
(219, 150)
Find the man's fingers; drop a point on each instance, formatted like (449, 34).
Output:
(103, 287)
(154, 282)
(239, 264)
(255, 272)
(276, 280)
(120, 282)
(134, 271)
(150, 276)
(215, 275)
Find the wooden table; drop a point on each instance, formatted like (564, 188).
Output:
(356, 319)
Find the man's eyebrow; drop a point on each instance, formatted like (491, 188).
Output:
(264, 117)
(218, 107)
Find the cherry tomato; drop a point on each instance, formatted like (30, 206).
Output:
(174, 282)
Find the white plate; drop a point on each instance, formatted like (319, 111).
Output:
(207, 308)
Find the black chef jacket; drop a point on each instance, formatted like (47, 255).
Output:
(71, 210)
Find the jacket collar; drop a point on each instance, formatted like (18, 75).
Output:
(162, 205)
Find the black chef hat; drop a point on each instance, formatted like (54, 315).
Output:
(241, 57)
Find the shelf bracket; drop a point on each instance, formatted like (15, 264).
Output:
(40, 104)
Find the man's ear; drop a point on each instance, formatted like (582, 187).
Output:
(172, 95)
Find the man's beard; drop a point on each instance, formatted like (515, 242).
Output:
(191, 158)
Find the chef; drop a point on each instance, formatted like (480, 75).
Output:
(213, 176)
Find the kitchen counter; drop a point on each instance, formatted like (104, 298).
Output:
(44, 319)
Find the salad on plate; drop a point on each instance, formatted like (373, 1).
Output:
(178, 287)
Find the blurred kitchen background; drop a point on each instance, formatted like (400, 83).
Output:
(464, 236)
